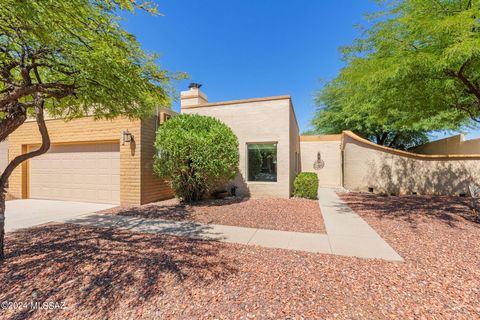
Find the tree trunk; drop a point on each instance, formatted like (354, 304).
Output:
(17, 161)
(381, 138)
(2, 223)
(394, 140)
(11, 122)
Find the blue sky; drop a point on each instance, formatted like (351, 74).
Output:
(246, 49)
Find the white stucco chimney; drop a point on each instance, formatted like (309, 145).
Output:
(192, 97)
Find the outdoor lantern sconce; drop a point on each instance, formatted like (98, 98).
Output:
(319, 163)
(126, 137)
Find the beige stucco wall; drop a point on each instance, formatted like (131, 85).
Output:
(135, 163)
(369, 166)
(253, 122)
(451, 145)
(330, 151)
(295, 162)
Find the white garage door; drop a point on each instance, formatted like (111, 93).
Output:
(77, 172)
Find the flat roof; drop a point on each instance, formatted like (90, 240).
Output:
(222, 103)
(242, 101)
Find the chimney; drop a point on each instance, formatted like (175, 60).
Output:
(192, 97)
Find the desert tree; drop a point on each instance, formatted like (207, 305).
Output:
(68, 59)
(415, 69)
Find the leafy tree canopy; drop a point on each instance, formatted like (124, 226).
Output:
(379, 118)
(415, 70)
(76, 56)
(72, 59)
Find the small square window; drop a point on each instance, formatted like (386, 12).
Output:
(262, 162)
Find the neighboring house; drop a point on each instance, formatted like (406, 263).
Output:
(342, 160)
(112, 161)
(451, 145)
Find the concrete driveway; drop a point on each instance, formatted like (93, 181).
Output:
(31, 212)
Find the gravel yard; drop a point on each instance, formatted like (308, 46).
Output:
(299, 215)
(114, 274)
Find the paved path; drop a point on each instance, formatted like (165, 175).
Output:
(347, 233)
(25, 213)
(311, 242)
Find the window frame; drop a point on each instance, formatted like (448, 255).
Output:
(246, 162)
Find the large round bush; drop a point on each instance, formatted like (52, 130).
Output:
(195, 154)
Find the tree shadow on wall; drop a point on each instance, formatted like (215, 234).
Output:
(394, 175)
(97, 271)
(401, 175)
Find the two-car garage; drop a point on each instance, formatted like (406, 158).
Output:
(76, 172)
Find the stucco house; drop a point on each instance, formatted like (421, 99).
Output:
(111, 161)
(266, 125)
(341, 160)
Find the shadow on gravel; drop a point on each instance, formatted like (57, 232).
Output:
(172, 209)
(413, 209)
(96, 270)
(298, 215)
(144, 225)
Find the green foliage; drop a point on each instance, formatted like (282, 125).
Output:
(75, 54)
(306, 185)
(386, 128)
(254, 161)
(195, 154)
(130, 5)
(415, 70)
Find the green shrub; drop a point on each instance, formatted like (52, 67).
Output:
(306, 185)
(195, 154)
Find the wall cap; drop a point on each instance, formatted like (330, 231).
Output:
(323, 137)
(222, 103)
(353, 136)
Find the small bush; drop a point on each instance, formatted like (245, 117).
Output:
(195, 154)
(306, 185)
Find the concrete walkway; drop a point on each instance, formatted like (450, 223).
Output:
(347, 233)
(311, 242)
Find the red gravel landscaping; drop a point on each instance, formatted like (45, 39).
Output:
(115, 274)
(301, 215)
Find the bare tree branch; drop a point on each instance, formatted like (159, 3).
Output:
(14, 119)
(57, 90)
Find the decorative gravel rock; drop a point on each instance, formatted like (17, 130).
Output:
(116, 274)
(301, 215)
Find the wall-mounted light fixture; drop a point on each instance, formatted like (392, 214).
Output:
(126, 137)
(319, 163)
